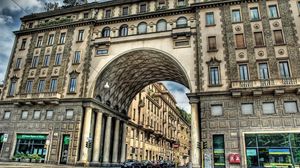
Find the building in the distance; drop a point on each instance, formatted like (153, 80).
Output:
(156, 129)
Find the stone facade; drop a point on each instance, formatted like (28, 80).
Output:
(156, 129)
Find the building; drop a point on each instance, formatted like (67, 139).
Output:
(156, 129)
(73, 73)
(1, 87)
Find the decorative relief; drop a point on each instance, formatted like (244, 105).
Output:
(242, 55)
(36, 52)
(261, 53)
(238, 28)
(276, 24)
(281, 51)
(48, 50)
(59, 49)
(132, 27)
(43, 72)
(256, 26)
(151, 24)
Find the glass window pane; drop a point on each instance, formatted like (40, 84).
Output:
(216, 110)
(219, 151)
(142, 28)
(290, 107)
(247, 109)
(254, 14)
(268, 108)
(181, 22)
(210, 18)
(161, 25)
(236, 16)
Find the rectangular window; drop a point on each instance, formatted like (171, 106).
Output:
(53, 85)
(23, 44)
(6, 115)
(62, 38)
(76, 59)
(254, 14)
(212, 43)
(58, 59)
(247, 108)
(39, 41)
(239, 40)
(290, 107)
(12, 89)
(49, 114)
(51, 39)
(69, 114)
(278, 36)
(80, 35)
(219, 151)
(244, 76)
(214, 76)
(216, 110)
(259, 40)
(35, 61)
(18, 63)
(125, 11)
(86, 15)
(46, 60)
(284, 69)
(41, 86)
(107, 13)
(236, 15)
(181, 2)
(36, 115)
(299, 5)
(28, 87)
(72, 87)
(263, 71)
(143, 8)
(268, 108)
(273, 12)
(24, 115)
(210, 20)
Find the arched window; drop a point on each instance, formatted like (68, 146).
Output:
(106, 32)
(161, 25)
(123, 31)
(181, 22)
(142, 28)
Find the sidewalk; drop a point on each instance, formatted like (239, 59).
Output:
(31, 165)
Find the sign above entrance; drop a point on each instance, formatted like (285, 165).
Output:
(35, 137)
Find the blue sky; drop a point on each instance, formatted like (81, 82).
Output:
(10, 13)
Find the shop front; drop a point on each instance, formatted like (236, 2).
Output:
(272, 150)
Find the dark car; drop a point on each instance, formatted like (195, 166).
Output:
(131, 164)
(156, 164)
(147, 164)
(170, 163)
(163, 164)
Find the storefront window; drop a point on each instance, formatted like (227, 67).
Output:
(272, 150)
(219, 151)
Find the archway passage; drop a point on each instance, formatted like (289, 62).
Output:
(131, 72)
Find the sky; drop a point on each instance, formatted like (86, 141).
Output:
(10, 13)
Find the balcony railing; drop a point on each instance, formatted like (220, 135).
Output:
(39, 95)
(265, 83)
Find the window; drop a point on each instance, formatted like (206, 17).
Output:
(107, 13)
(263, 71)
(244, 72)
(76, 57)
(62, 38)
(254, 14)
(72, 86)
(23, 44)
(125, 11)
(210, 20)
(6, 115)
(102, 52)
(36, 115)
(18, 63)
(53, 85)
(214, 76)
(123, 30)
(216, 110)
(273, 11)
(28, 87)
(86, 15)
(12, 88)
(247, 108)
(268, 108)
(39, 41)
(161, 4)
(278, 36)
(35, 61)
(299, 5)
(106, 32)
(219, 151)
(161, 25)
(58, 59)
(24, 115)
(236, 15)
(290, 107)
(181, 2)
(30, 25)
(212, 43)
(259, 40)
(49, 114)
(46, 60)
(142, 28)
(80, 35)
(50, 39)
(181, 22)
(143, 8)
(69, 114)
(284, 69)
(239, 41)
(41, 86)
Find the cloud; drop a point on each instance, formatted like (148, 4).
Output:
(5, 19)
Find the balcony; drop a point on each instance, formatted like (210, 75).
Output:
(265, 83)
(45, 95)
(101, 41)
(181, 31)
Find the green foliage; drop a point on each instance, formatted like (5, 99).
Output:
(35, 157)
(185, 115)
(55, 22)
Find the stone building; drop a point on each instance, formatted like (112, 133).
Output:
(156, 129)
(73, 73)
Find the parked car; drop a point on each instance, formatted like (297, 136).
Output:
(131, 164)
(156, 164)
(163, 164)
(170, 163)
(147, 164)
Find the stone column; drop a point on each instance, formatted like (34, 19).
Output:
(123, 149)
(85, 134)
(195, 133)
(116, 142)
(107, 140)
(97, 138)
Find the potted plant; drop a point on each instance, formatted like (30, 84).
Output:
(24, 157)
(35, 158)
(17, 157)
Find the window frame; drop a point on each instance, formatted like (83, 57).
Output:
(182, 25)
(4, 115)
(233, 18)
(255, 39)
(259, 71)
(123, 32)
(258, 14)
(46, 116)
(107, 13)
(214, 47)
(274, 108)
(46, 61)
(58, 59)
(39, 42)
(77, 57)
(50, 39)
(290, 101)
(240, 75)
(237, 46)
(216, 105)
(22, 115)
(23, 44)
(41, 86)
(127, 11)
(72, 85)
(215, 83)
(276, 42)
(18, 63)
(105, 32)
(62, 38)
(51, 85)
(80, 35)
(35, 61)
(34, 115)
(138, 28)
(288, 68)
(28, 86)
(243, 112)
(144, 9)
(158, 24)
(207, 20)
(66, 115)
(12, 88)
(270, 13)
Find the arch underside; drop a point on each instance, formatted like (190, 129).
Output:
(130, 73)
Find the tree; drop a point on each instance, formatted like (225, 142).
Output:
(74, 2)
(50, 6)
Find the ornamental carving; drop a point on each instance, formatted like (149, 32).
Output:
(276, 24)
(242, 55)
(281, 51)
(238, 28)
(256, 26)
(37, 52)
(43, 72)
(261, 53)
(48, 50)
